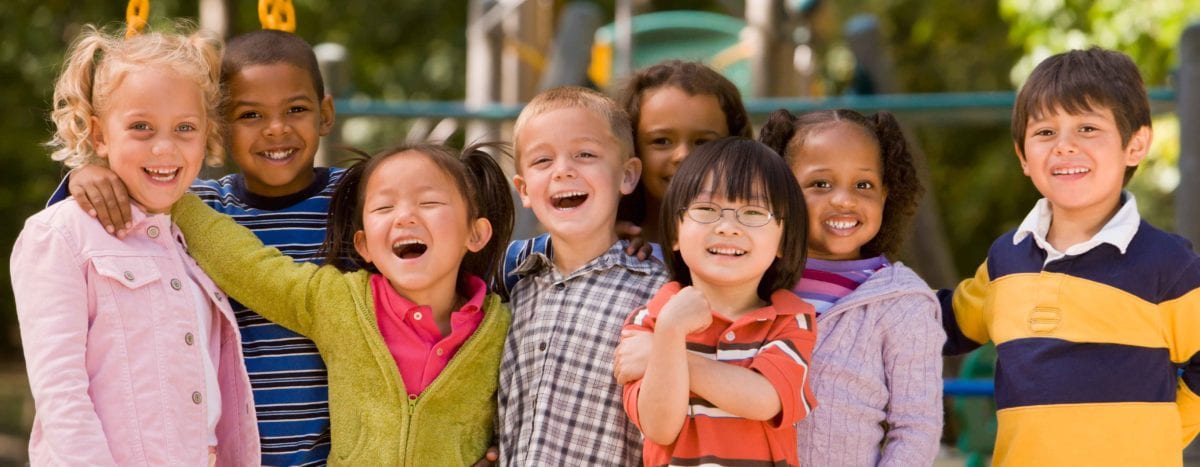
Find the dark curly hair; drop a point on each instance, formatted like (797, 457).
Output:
(694, 78)
(786, 133)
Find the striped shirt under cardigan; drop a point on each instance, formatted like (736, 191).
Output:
(877, 363)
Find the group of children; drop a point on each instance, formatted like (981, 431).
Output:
(769, 325)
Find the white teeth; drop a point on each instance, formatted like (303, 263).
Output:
(162, 175)
(411, 241)
(568, 194)
(841, 225)
(278, 155)
(1072, 171)
(727, 251)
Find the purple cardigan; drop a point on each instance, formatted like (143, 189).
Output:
(893, 315)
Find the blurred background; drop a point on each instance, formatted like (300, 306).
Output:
(458, 71)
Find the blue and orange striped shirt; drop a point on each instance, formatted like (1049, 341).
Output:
(1098, 351)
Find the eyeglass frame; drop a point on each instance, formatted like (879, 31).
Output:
(737, 213)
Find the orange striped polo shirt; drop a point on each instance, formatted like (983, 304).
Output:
(776, 341)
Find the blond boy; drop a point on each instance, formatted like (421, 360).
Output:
(559, 404)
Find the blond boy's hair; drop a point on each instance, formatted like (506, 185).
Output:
(576, 97)
(98, 61)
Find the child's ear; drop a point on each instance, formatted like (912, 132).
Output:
(1021, 157)
(1139, 146)
(327, 115)
(99, 142)
(481, 233)
(360, 245)
(631, 173)
(519, 184)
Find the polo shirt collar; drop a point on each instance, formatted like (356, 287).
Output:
(1118, 231)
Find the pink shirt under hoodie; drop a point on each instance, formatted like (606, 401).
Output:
(420, 350)
(112, 349)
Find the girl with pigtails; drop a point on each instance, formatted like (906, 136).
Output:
(877, 364)
(133, 354)
(400, 312)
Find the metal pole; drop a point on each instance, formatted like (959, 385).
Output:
(214, 16)
(1187, 194)
(623, 30)
(334, 62)
(482, 69)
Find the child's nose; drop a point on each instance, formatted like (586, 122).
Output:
(728, 224)
(162, 147)
(276, 127)
(681, 152)
(1065, 144)
(842, 198)
(563, 170)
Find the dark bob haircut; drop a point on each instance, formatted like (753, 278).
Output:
(1080, 81)
(739, 169)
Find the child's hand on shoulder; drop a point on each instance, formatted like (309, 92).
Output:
(687, 312)
(638, 246)
(101, 194)
(629, 361)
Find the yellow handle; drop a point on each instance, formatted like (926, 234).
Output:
(136, 15)
(277, 14)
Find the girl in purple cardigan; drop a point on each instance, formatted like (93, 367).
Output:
(877, 364)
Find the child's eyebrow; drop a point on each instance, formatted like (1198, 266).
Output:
(298, 97)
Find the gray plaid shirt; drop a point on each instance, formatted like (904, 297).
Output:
(559, 403)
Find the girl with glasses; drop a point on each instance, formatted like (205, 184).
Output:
(726, 378)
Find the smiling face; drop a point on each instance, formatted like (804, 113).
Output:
(841, 172)
(1078, 161)
(671, 123)
(275, 124)
(415, 226)
(571, 172)
(153, 135)
(727, 254)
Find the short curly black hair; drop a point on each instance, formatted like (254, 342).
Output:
(785, 133)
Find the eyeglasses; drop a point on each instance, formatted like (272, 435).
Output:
(749, 216)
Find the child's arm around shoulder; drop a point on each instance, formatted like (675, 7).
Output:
(658, 403)
(775, 386)
(1183, 313)
(963, 316)
(258, 276)
(50, 290)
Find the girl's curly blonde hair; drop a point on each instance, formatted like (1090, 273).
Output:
(97, 62)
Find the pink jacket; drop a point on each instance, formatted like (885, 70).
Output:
(113, 362)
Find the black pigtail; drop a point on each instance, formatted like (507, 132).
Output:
(493, 201)
(778, 131)
(345, 218)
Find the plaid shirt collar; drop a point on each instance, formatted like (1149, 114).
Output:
(539, 262)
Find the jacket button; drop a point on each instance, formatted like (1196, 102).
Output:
(152, 231)
(175, 284)
(542, 346)
(128, 276)
(730, 336)
(188, 338)
(196, 398)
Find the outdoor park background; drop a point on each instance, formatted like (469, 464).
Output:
(416, 51)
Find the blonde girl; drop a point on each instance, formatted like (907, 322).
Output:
(133, 354)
